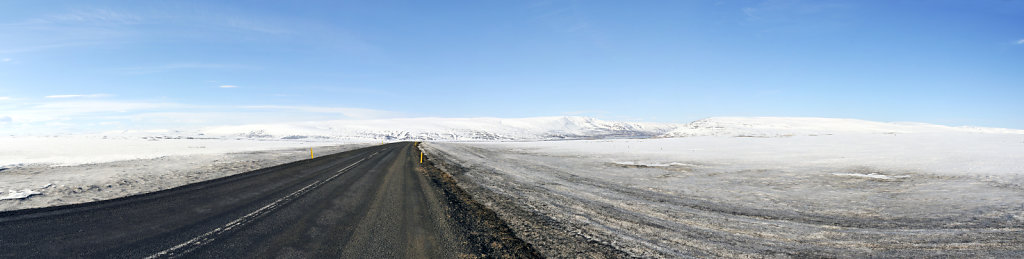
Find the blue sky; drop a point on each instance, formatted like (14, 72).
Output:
(101, 65)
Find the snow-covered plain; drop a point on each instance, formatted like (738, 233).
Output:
(58, 170)
(53, 170)
(84, 149)
(761, 187)
(933, 153)
(714, 187)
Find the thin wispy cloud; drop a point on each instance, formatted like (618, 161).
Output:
(774, 10)
(181, 66)
(43, 47)
(85, 27)
(5, 98)
(66, 30)
(253, 25)
(70, 110)
(229, 86)
(569, 19)
(65, 96)
(798, 15)
(350, 113)
(1020, 42)
(101, 115)
(6, 60)
(78, 107)
(104, 16)
(750, 12)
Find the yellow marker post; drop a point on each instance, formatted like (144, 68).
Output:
(421, 157)
(310, 153)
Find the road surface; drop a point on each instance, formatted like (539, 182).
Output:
(372, 202)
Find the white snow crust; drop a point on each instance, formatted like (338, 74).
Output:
(724, 187)
(936, 153)
(82, 168)
(16, 195)
(84, 149)
(48, 184)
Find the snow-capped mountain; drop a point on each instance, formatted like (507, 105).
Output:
(554, 128)
(538, 128)
(796, 126)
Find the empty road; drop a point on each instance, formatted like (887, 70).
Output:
(372, 202)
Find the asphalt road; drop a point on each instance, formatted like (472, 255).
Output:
(372, 202)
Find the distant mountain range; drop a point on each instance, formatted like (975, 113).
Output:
(797, 126)
(539, 128)
(569, 127)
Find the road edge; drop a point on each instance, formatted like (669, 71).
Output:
(548, 236)
(497, 239)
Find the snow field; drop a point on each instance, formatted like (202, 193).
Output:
(147, 166)
(919, 194)
(729, 187)
(935, 153)
(76, 150)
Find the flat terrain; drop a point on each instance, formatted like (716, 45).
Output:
(371, 202)
(823, 196)
(95, 181)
